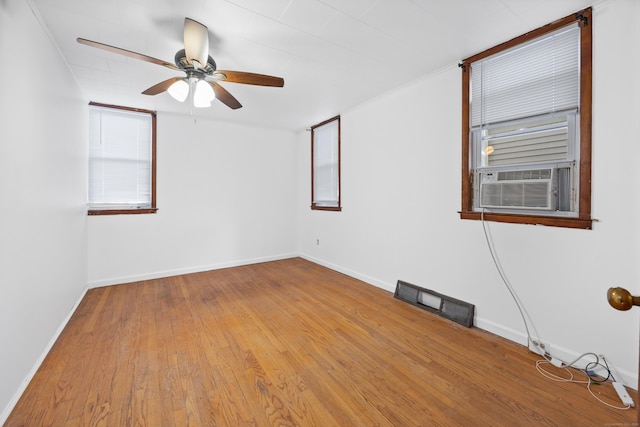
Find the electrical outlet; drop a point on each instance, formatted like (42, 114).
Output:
(540, 347)
(546, 345)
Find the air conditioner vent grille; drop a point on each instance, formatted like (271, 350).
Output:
(513, 194)
(518, 189)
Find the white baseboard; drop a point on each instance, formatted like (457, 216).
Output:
(501, 330)
(14, 400)
(368, 279)
(187, 270)
(557, 351)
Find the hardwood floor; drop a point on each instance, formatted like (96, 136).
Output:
(288, 343)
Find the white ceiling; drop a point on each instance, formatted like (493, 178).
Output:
(332, 54)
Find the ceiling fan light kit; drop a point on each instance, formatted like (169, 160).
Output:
(200, 84)
(203, 94)
(179, 90)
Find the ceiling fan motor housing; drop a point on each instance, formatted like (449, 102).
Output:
(182, 63)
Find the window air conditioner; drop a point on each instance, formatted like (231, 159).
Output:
(518, 189)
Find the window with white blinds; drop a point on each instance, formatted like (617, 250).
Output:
(527, 147)
(121, 163)
(325, 146)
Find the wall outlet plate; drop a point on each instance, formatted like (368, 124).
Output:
(540, 347)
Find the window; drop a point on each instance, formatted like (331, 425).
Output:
(325, 165)
(526, 141)
(122, 146)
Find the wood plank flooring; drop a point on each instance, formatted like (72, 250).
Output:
(288, 343)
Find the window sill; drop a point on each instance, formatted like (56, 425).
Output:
(92, 212)
(581, 223)
(326, 208)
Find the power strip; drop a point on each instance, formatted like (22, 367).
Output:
(618, 386)
(622, 392)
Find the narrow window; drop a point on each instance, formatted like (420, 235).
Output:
(527, 128)
(121, 160)
(325, 165)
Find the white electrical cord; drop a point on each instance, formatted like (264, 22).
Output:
(505, 280)
(588, 382)
(525, 315)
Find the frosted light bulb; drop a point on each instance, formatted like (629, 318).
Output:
(203, 94)
(179, 90)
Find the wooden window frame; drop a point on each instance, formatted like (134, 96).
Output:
(148, 210)
(583, 220)
(313, 205)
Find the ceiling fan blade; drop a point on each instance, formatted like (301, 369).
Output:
(248, 78)
(161, 87)
(225, 97)
(128, 53)
(196, 42)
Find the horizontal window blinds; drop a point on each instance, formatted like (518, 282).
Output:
(325, 164)
(539, 77)
(119, 158)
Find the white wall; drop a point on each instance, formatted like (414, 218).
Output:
(42, 193)
(226, 196)
(401, 193)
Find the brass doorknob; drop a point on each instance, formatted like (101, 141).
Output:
(621, 299)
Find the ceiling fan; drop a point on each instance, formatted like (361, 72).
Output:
(202, 76)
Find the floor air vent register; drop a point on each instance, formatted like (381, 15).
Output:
(450, 308)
